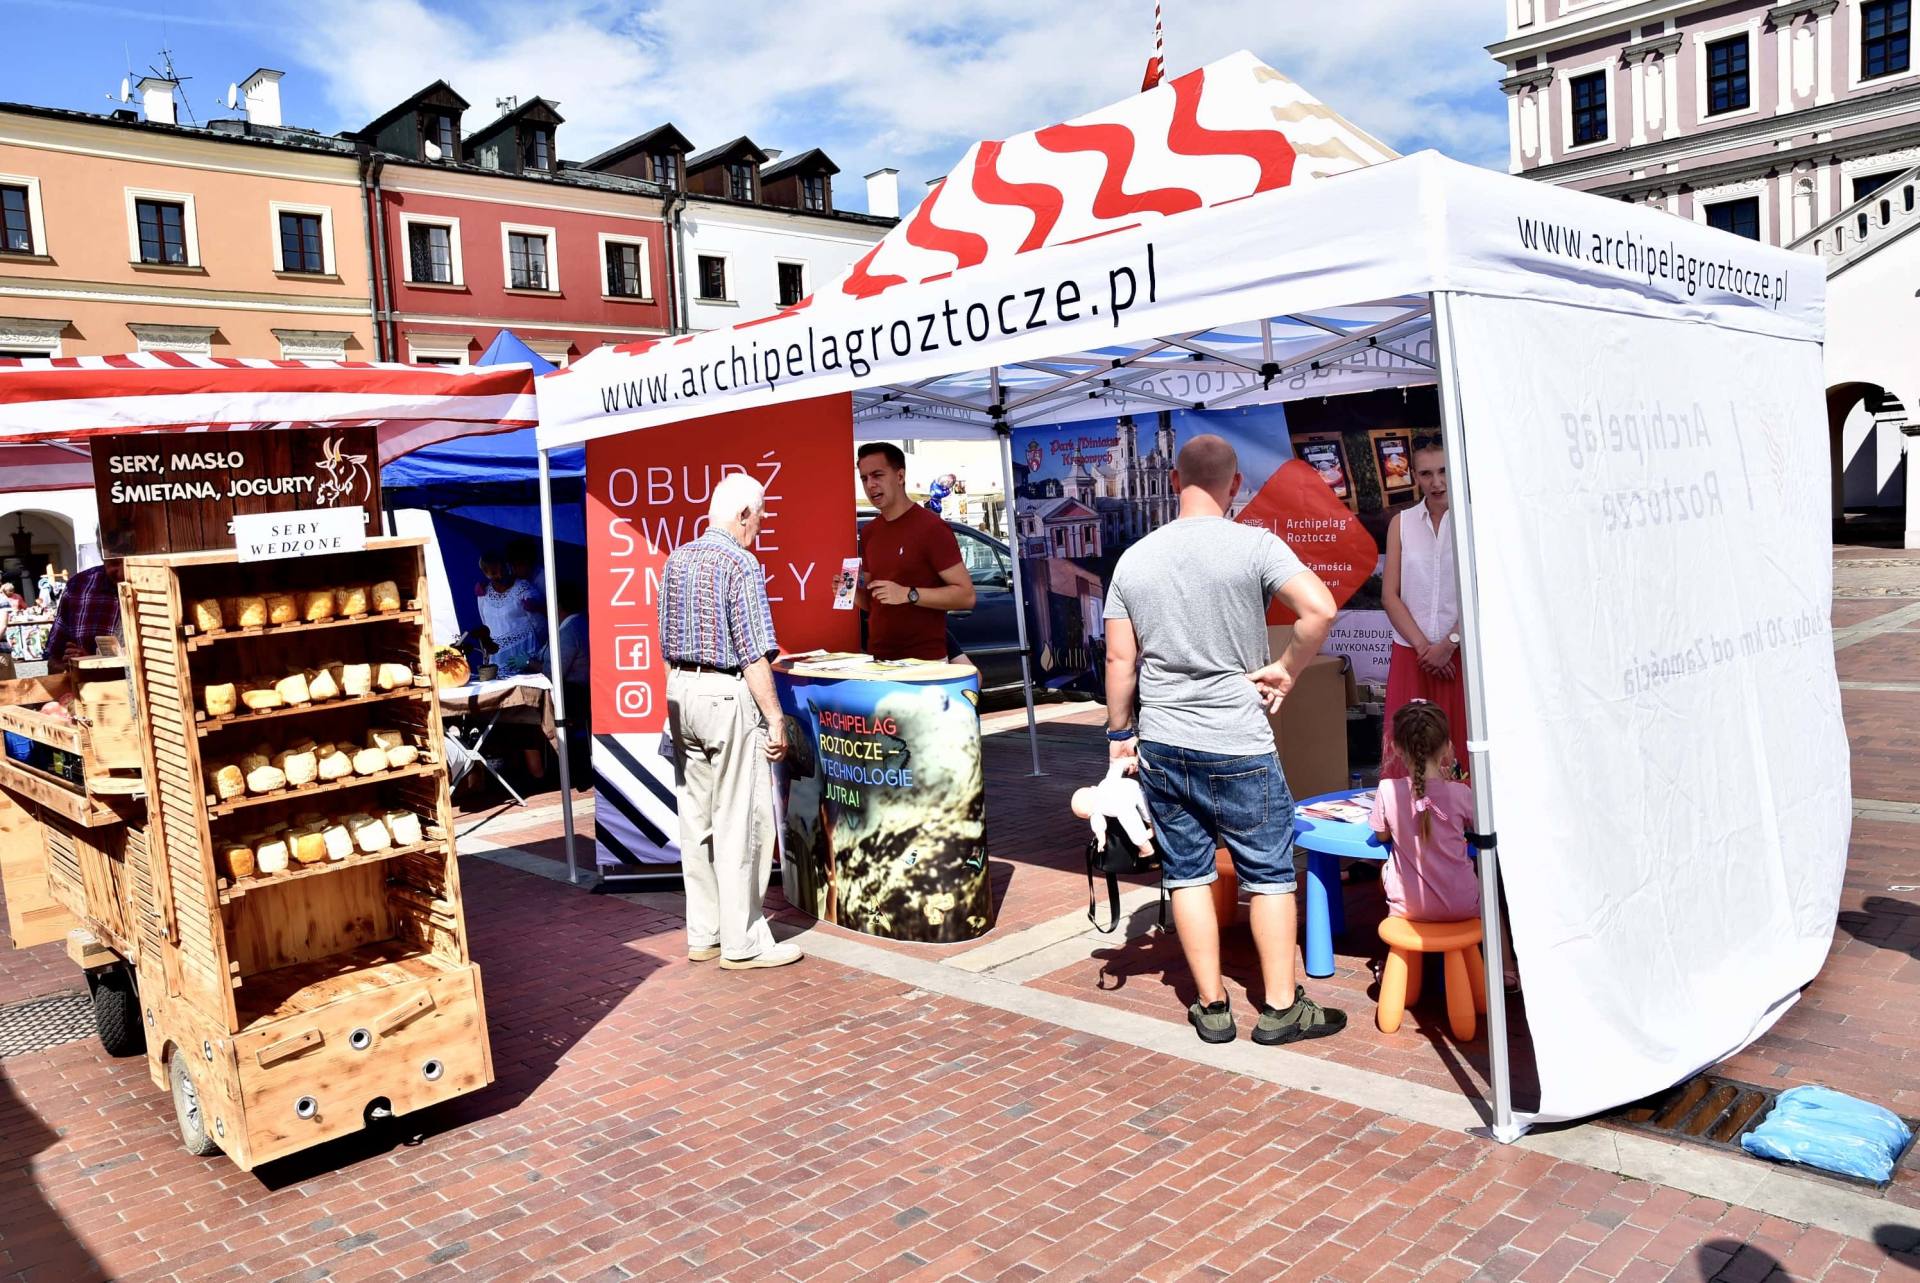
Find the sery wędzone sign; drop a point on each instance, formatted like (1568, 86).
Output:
(181, 492)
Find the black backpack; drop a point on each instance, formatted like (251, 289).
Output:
(1121, 856)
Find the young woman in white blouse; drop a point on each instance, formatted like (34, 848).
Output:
(1421, 593)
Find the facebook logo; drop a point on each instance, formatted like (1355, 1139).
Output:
(632, 652)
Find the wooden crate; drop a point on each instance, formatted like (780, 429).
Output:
(336, 982)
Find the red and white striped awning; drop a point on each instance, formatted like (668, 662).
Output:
(49, 407)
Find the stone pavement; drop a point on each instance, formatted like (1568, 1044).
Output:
(894, 1113)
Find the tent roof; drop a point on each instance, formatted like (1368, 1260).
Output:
(49, 407)
(1065, 270)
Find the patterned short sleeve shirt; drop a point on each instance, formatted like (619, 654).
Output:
(713, 605)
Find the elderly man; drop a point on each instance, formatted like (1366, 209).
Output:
(716, 632)
(89, 609)
(1187, 631)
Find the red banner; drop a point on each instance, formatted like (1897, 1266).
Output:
(1297, 504)
(647, 493)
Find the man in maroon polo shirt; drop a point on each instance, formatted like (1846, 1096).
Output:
(914, 574)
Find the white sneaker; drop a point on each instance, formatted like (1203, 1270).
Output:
(785, 953)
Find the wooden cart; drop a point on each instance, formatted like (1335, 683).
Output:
(282, 1009)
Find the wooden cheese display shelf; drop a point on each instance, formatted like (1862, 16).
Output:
(309, 986)
(206, 725)
(197, 640)
(216, 809)
(232, 890)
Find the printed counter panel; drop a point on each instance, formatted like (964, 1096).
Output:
(884, 804)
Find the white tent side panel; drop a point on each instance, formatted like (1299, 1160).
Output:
(1649, 501)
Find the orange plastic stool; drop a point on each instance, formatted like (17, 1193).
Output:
(1400, 978)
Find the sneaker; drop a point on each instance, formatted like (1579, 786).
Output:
(702, 953)
(782, 954)
(1304, 1019)
(1212, 1021)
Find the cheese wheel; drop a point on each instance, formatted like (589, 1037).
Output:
(260, 698)
(300, 768)
(369, 834)
(356, 679)
(378, 737)
(270, 855)
(339, 842)
(293, 689)
(207, 616)
(351, 600)
(321, 685)
(402, 755)
(236, 860)
(282, 608)
(266, 779)
(404, 826)
(369, 761)
(394, 676)
(308, 846)
(250, 612)
(229, 782)
(334, 765)
(386, 596)
(316, 606)
(219, 699)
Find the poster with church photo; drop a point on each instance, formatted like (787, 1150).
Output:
(1086, 491)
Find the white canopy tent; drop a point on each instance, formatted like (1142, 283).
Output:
(1633, 411)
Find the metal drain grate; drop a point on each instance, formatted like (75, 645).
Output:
(1715, 1111)
(44, 1023)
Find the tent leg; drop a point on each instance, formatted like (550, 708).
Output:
(1019, 586)
(1499, 1056)
(554, 661)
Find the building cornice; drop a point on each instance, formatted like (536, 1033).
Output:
(1662, 46)
(1775, 129)
(1585, 26)
(179, 148)
(1759, 166)
(154, 295)
(1783, 14)
(1538, 78)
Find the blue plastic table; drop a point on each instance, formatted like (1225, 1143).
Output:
(1327, 842)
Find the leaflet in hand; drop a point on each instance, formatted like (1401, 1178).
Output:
(1357, 809)
(845, 583)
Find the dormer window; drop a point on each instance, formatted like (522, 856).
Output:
(813, 192)
(539, 153)
(740, 180)
(665, 169)
(439, 130)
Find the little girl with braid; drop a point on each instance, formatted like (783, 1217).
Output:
(1429, 877)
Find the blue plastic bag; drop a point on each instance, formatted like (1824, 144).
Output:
(1837, 1133)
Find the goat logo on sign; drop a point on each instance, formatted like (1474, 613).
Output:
(344, 476)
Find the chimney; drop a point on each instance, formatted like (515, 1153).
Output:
(261, 93)
(883, 193)
(156, 99)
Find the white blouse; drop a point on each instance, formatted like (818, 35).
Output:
(1429, 580)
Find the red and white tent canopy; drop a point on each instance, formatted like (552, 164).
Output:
(49, 407)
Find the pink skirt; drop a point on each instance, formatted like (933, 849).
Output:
(1406, 681)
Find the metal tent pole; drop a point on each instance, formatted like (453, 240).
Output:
(554, 658)
(999, 412)
(1479, 755)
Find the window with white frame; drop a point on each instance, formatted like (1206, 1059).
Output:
(22, 227)
(1741, 216)
(712, 270)
(302, 238)
(437, 349)
(433, 250)
(629, 272)
(161, 229)
(792, 280)
(1587, 107)
(1729, 88)
(530, 258)
(1886, 38)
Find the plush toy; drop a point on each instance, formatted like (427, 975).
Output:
(1117, 798)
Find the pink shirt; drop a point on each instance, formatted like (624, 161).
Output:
(1429, 879)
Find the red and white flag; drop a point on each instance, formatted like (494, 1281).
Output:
(1156, 65)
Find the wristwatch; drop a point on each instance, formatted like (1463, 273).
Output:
(913, 596)
(1453, 639)
(1121, 737)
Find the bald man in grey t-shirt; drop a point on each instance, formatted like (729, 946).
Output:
(1187, 632)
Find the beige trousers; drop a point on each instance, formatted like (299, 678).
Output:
(724, 785)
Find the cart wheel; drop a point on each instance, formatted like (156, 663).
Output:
(116, 1011)
(186, 1105)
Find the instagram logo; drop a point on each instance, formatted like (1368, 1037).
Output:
(633, 699)
(632, 652)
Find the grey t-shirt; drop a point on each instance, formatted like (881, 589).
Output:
(1196, 591)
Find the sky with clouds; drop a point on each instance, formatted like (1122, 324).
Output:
(906, 83)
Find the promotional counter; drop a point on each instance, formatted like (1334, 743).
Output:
(884, 805)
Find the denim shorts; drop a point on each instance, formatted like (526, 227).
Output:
(1202, 801)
